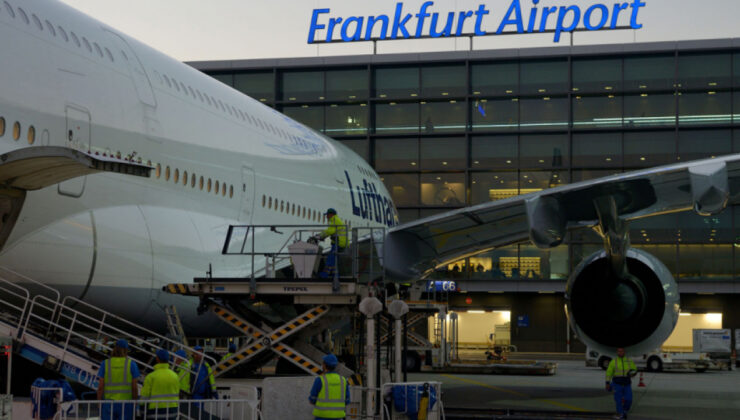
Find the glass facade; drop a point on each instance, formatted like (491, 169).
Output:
(444, 135)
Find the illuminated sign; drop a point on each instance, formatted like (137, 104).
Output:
(520, 17)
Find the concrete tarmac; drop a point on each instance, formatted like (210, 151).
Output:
(577, 388)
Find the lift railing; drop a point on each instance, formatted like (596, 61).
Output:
(360, 260)
(156, 409)
(74, 327)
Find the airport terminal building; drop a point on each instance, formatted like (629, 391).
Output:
(451, 129)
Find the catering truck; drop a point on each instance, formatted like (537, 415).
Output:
(657, 361)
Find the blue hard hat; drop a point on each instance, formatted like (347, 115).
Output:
(331, 211)
(330, 360)
(163, 355)
(198, 348)
(122, 343)
(232, 347)
(181, 353)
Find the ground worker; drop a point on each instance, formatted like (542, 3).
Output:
(330, 392)
(182, 368)
(162, 386)
(618, 376)
(232, 350)
(117, 381)
(338, 233)
(202, 383)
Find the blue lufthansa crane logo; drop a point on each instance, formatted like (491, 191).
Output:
(520, 16)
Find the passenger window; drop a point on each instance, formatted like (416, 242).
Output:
(192, 181)
(31, 134)
(16, 130)
(177, 176)
(63, 33)
(50, 27)
(158, 171)
(209, 185)
(185, 178)
(264, 199)
(37, 22)
(223, 189)
(9, 9)
(97, 49)
(2, 126)
(75, 39)
(269, 203)
(24, 16)
(110, 55)
(282, 206)
(231, 191)
(216, 189)
(167, 80)
(88, 47)
(201, 183)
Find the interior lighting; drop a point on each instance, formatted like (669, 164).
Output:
(439, 178)
(685, 314)
(291, 99)
(445, 93)
(508, 161)
(263, 100)
(304, 106)
(444, 163)
(611, 96)
(509, 91)
(644, 95)
(414, 95)
(363, 104)
(712, 93)
(392, 103)
(476, 93)
(555, 176)
(578, 98)
(608, 159)
(352, 96)
(643, 87)
(575, 89)
(542, 90)
(713, 317)
(476, 162)
(712, 83)
(383, 95)
(476, 312)
(413, 163)
(608, 88)
(546, 98)
(542, 161)
(642, 158)
(452, 101)
(321, 98)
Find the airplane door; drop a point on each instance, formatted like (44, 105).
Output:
(78, 137)
(248, 186)
(141, 80)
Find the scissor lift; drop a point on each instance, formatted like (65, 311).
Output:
(328, 300)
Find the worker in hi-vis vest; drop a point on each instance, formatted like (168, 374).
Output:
(232, 350)
(117, 381)
(330, 392)
(162, 388)
(182, 369)
(337, 231)
(618, 376)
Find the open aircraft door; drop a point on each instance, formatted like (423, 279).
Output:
(248, 186)
(78, 138)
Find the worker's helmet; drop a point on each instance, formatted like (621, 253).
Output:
(330, 360)
(163, 355)
(122, 343)
(330, 211)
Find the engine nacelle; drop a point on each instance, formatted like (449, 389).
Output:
(638, 314)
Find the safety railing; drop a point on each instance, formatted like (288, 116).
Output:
(76, 327)
(160, 409)
(6, 407)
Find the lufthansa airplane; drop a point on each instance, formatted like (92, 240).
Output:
(122, 169)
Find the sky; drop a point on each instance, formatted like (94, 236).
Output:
(195, 30)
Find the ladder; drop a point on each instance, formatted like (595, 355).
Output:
(68, 335)
(174, 326)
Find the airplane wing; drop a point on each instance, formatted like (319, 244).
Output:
(413, 250)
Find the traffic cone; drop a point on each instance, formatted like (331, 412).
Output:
(642, 382)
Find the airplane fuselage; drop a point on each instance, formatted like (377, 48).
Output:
(220, 158)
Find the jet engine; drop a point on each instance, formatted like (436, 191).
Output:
(637, 312)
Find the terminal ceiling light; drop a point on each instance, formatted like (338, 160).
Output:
(392, 103)
(445, 93)
(611, 96)
(263, 100)
(413, 163)
(643, 87)
(291, 99)
(363, 104)
(514, 99)
(555, 176)
(304, 106)
(476, 162)
(578, 98)
(608, 159)
(542, 161)
(508, 161)
(714, 317)
(382, 95)
(541, 90)
(452, 101)
(712, 83)
(644, 95)
(546, 98)
(476, 312)
(321, 98)
(685, 314)
(642, 158)
(575, 89)
(444, 163)
(352, 97)
(608, 88)
(509, 91)
(484, 100)
(414, 95)
(712, 93)
(476, 93)
(439, 178)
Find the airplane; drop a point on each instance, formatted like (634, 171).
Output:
(122, 170)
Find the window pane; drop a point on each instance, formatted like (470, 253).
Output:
(544, 113)
(397, 118)
(533, 181)
(303, 86)
(396, 154)
(408, 215)
(587, 174)
(649, 148)
(346, 120)
(597, 75)
(540, 264)
(225, 78)
(444, 153)
(704, 108)
(443, 81)
(346, 84)
(694, 228)
(442, 116)
(358, 146)
(503, 261)
(704, 71)
(495, 115)
(665, 253)
(544, 76)
(310, 115)
(494, 152)
(443, 189)
(597, 149)
(736, 69)
(544, 151)
(701, 144)
(492, 186)
(258, 85)
(649, 72)
(404, 188)
(657, 229)
(397, 82)
(495, 79)
(649, 110)
(597, 111)
(705, 262)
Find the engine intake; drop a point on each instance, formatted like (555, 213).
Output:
(637, 313)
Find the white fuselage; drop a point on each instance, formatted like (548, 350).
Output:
(117, 239)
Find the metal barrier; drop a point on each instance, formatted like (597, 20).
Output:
(42, 409)
(79, 331)
(435, 412)
(157, 409)
(6, 407)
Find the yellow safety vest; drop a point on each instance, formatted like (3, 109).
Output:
(183, 373)
(161, 384)
(337, 229)
(117, 379)
(330, 401)
(620, 367)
